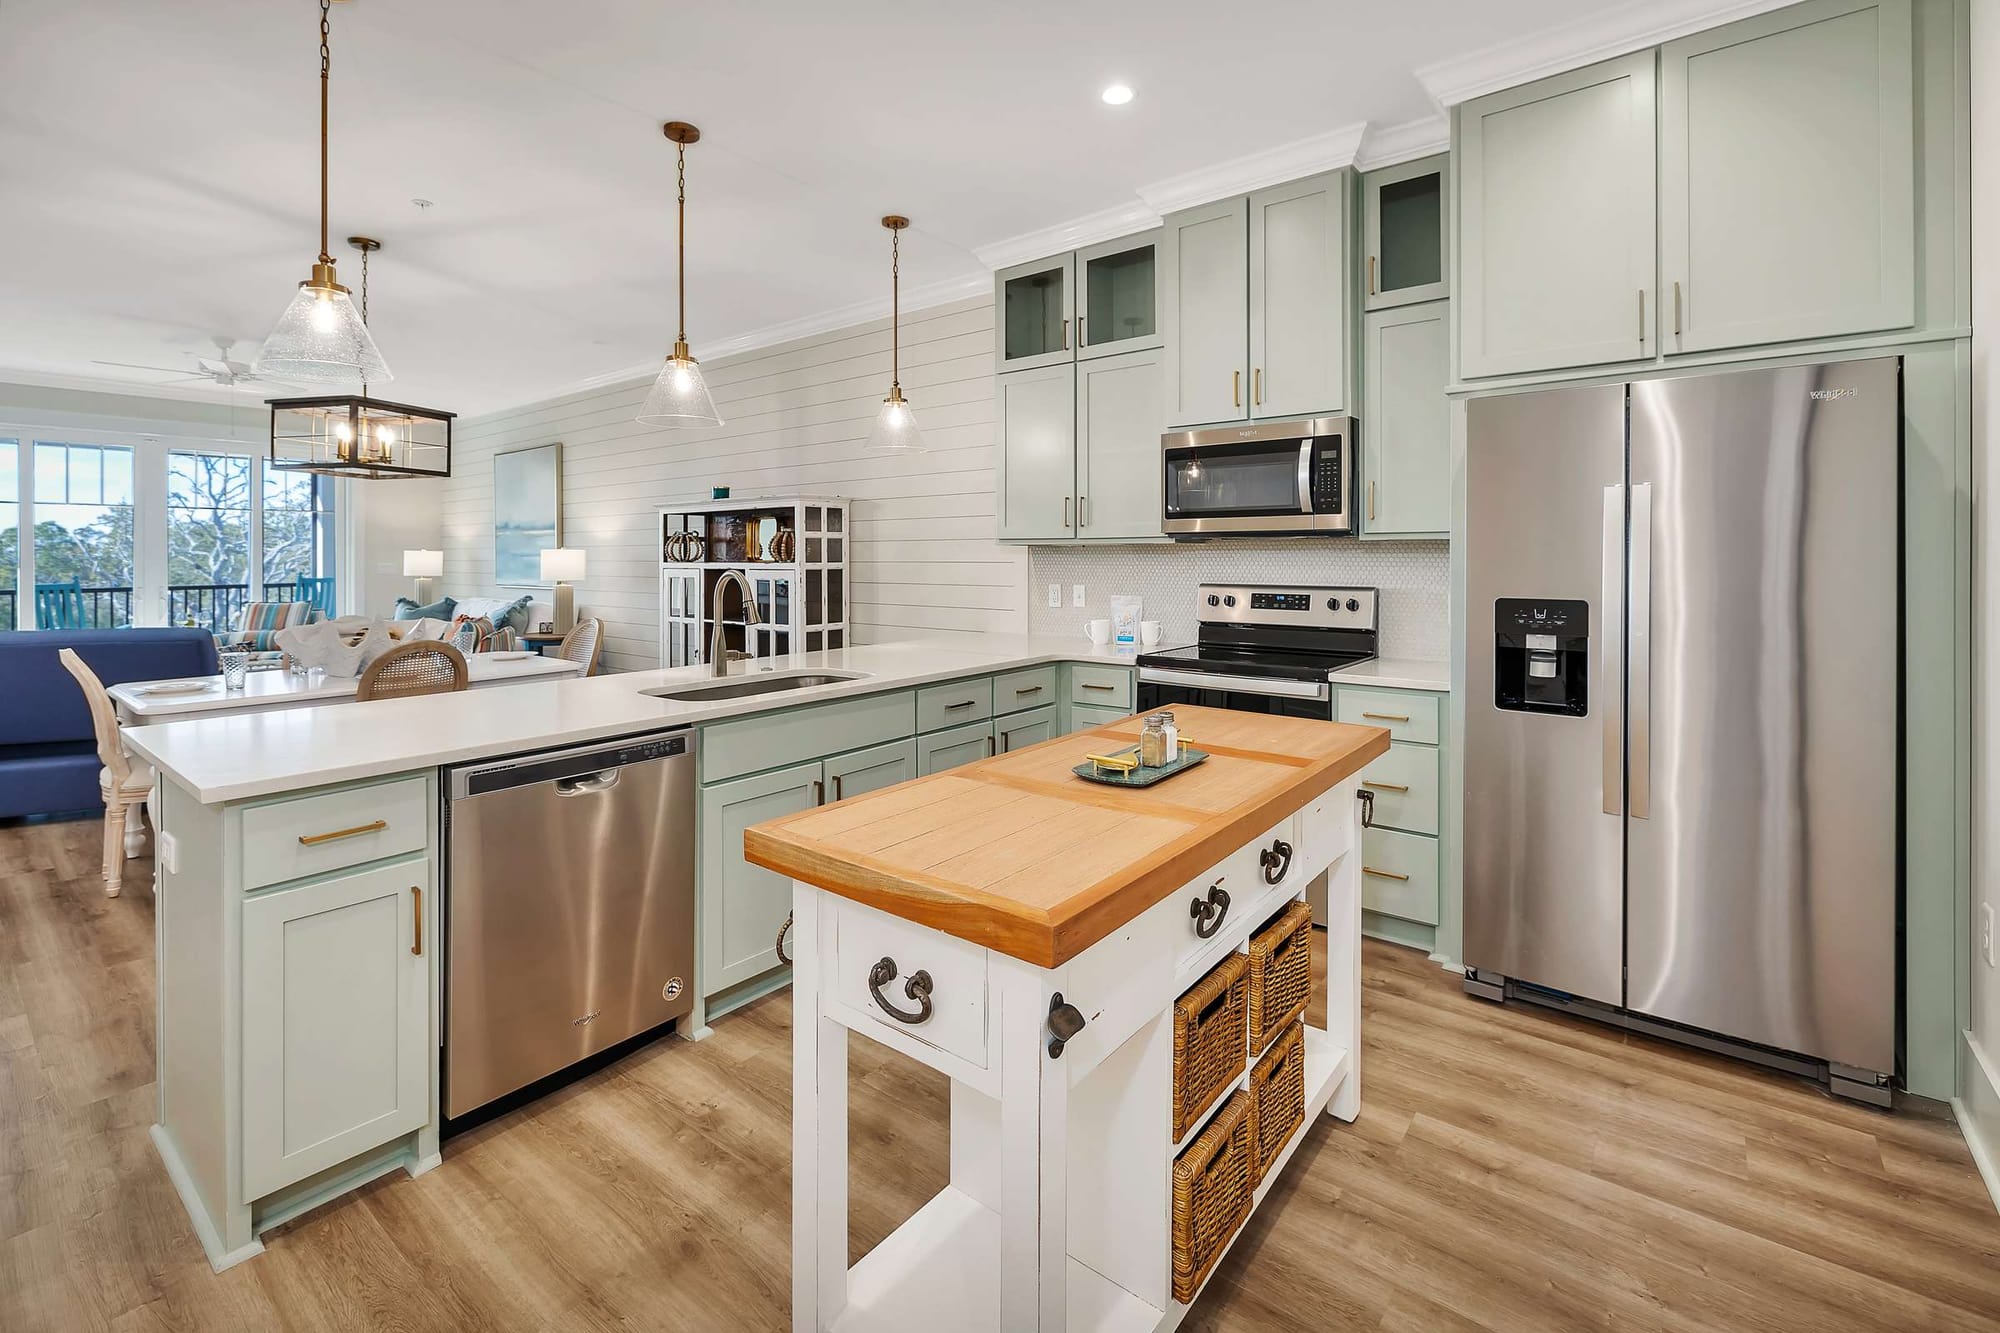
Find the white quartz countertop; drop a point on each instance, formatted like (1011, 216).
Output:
(247, 755)
(1398, 673)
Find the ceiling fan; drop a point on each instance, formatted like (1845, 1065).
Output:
(220, 369)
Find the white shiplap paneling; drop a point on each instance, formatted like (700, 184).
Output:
(923, 557)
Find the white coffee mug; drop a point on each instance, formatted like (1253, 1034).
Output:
(1099, 631)
(1149, 633)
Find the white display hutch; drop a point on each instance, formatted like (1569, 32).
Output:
(801, 598)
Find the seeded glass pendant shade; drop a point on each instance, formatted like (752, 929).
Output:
(680, 396)
(895, 425)
(321, 337)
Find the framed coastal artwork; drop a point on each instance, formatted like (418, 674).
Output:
(527, 512)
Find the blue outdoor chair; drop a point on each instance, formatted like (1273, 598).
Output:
(60, 606)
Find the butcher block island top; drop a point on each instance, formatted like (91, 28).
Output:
(1018, 854)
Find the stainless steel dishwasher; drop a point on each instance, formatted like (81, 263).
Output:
(569, 909)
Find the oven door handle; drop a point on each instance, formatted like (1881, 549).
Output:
(1203, 680)
(1305, 475)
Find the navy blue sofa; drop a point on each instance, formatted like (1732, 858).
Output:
(48, 751)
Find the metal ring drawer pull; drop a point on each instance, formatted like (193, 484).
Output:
(1382, 874)
(315, 839)
(917, 988)
(779, 944)
(1367, 799)
(1387, 717)
(1276, 860)
(1208, 913)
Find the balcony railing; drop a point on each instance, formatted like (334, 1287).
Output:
(216, 607)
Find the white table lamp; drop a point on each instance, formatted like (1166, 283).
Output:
(423, 566)
(562, 566)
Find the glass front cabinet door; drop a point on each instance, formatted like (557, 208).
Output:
(1403, 221)
(1119, 293)
(1035, 314)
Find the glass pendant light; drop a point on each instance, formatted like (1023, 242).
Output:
(680, 396)
(321, 337)
(895, 425)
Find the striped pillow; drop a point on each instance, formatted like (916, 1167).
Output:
(471, 634)
(258, 628)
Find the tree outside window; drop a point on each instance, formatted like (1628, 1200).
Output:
(208, 539)
(298, 530)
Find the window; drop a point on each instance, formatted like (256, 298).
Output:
(298, 535)
(208, 539)
(10, 532)
(83, 543)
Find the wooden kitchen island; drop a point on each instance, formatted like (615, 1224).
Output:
(1076, 958)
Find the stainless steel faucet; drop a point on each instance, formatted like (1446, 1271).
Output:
(719, 657)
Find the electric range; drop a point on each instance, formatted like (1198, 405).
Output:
(1264, 648)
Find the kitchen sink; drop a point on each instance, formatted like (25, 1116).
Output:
(744, 686)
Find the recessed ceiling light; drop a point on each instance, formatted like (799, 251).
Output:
(1117, 94)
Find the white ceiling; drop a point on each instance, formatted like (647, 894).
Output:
(158, 168)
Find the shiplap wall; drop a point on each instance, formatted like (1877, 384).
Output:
(923, 558)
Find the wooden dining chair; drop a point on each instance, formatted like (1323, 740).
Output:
(424, 667)
(583, 643)
(124, 785)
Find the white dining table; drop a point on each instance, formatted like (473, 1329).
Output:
(143, 702)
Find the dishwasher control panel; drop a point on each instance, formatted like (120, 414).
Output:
(472, 781)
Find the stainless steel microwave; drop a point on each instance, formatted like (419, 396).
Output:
(1271, 479)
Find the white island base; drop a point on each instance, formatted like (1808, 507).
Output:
(1058, 1215)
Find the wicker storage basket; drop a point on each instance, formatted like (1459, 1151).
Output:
(1277, 1097)
(1209, 1047)
(1280, 973)
(1212, 1190)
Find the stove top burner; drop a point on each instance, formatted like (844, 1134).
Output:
(1238, 660)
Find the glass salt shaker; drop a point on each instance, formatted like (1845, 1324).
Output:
(1173, 732)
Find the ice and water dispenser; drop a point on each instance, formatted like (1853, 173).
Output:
(1541, 652)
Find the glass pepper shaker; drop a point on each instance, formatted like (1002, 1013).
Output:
(1153, 741)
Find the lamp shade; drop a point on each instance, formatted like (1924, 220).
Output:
(562, 564)
(680, 396)
(320, 338)
(422, 564)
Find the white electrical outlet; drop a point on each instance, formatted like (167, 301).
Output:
(1055, 595)
(1076, 594)
(1986, 932)
(168, 851)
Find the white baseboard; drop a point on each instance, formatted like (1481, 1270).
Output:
(1977, 1107)
(204, 1230)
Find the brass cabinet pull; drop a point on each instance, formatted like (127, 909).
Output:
(1082, 511)
(1236, 388)
(1065, 512)
(1088, 686)
(1065, 341)
(1642, 317)
(1382, 874)
(989, 745)
(1387, 717)
(836, 788)
(417, 918)
(315, 839)
(1028, 689)
(819, 792)
(1385, 786)
(962, 703)
(1257, 386)
(1677, 307)
(917, 988)
(1371, 275)
(1371, 500)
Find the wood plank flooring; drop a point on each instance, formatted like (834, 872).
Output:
(1511, 1170)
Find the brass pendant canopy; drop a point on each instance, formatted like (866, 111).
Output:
(680, 397)
(895, 429)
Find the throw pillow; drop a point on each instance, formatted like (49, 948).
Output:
(505, 613)
(441, 609)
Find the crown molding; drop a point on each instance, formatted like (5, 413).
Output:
(1387, 145)
(1104, 225)
(211, 394)
(1253, 171)
(1611, 32)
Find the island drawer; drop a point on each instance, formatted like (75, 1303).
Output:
(954, 702)
(1017, 690)
(1409, 717)
(1399, 875)
(1326, 829)
(1100, 686)
(1213, 908)
(311, 835)
(913, 980)
(1405, 783)
(765, 741)
(1210, 1050)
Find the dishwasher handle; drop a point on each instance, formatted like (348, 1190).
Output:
(589, 784)
(577, 771)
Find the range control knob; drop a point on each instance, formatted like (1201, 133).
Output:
(1213, 600)
(1353, 604)
(1333, 603)
(1229, 600)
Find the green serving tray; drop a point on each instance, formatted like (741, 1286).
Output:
(1141, 776)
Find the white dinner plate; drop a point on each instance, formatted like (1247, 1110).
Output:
(510, 656)
(178, 687)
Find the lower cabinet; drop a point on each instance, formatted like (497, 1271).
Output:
(1082, 717)
(336, 1020)
(864, 771)
(948, 749)
(744, 905)
(1020, 730)
(1402, 861)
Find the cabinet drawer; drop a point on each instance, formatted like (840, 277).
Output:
(1409, 717)
(1222, 900)
(794, 735)
(953, 1020)
(1100, 687)
(314, 834)
(1024, 689)
(1082, 717)
(1405, 783)
(953, 703)
(1399, 875)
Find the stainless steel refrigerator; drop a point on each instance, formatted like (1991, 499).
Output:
(1683, 709)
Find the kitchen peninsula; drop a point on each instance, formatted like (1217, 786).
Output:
(1115, 981)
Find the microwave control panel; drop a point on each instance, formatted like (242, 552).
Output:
(1326, 476)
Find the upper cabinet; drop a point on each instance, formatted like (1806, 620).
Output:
(1556, 222)
(1035, 305)
(1403, 212)
(1787, 177)
(1254, 302)
(1099, 301)
(1406, 436)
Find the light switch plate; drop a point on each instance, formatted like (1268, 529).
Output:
(168, 850)
(1076, 594)
(1055, 595)
(1986, 932)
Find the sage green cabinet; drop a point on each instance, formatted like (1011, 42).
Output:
(1118, 291)
(1082, 717)
(1787, 176)
(864, 771)
(1017, 731)
(1557, 260)
(1205, 299)
(745, 905)
(1034, 307)
(948, 749)
(1118, 428)
(1406, 437)
(1035, 419)
(1403, 212)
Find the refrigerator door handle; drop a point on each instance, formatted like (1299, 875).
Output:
(1610, 630)
(1641, 640)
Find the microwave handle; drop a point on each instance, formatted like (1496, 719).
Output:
(1305, 476)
